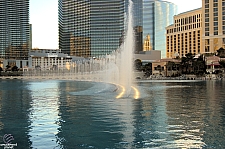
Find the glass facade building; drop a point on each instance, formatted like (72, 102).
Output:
(157, 15)
(138, 24)
(90, 28)
(14, 29)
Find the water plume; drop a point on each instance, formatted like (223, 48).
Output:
(127, 49)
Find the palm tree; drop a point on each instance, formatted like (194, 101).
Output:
(138, 64)
(222, 64)
(169, 67)
(186, 63)
(199, 65)
(148, 69)
(15, 68)
(221, 52)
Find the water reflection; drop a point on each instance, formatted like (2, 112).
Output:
(61, 114)
(185, 123)
(15, 104)
(91, 121)
(44, 113)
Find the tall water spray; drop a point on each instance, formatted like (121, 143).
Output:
(115, 68)
(127, 49)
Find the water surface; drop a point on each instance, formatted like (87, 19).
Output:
(69, 114)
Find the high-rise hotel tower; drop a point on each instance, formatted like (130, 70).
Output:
(90, 28)
(213, 25)
(14, 29)
(197, 31)
(157, 15)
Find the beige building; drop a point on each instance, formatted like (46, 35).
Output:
(184, 36)
(164, 68)
(198, 31)
(147, 44)
(213, 25)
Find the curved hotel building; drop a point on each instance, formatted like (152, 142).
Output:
(14, 29)
(96, 27)
(185, 35)
(157, 15)
(197, 31)
(90, 28)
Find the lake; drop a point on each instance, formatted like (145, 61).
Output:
(59, 114)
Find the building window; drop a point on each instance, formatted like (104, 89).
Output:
(207, 49)
(215, 5)
(206, 41)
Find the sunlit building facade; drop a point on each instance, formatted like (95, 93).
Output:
(90, 28)
(14, 29)
(157, 15)
(198, 31)
(147, 44)
(213, 25)
(185, 35)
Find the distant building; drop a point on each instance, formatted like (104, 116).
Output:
(138, 39)
(50, 59)
(148, 56)
(212, 64)
(147, 46)
(213, 25)
(157, 15)
(14, 29)
(198, 31)
(161, 67)
(90, 28)
(137, 23)
(185, 35)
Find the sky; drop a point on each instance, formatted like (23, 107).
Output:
(44, 20)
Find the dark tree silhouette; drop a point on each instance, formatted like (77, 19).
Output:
(15, 68)
(221, 52)
(138, 64)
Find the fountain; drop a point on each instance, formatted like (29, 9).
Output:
(126, 63)
(116, 68)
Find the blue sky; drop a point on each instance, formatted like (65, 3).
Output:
(44, 20)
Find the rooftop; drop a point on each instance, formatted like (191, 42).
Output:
(189, 11)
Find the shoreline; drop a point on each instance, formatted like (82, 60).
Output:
(81, 78)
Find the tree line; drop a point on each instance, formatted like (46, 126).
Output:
(187, 65)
